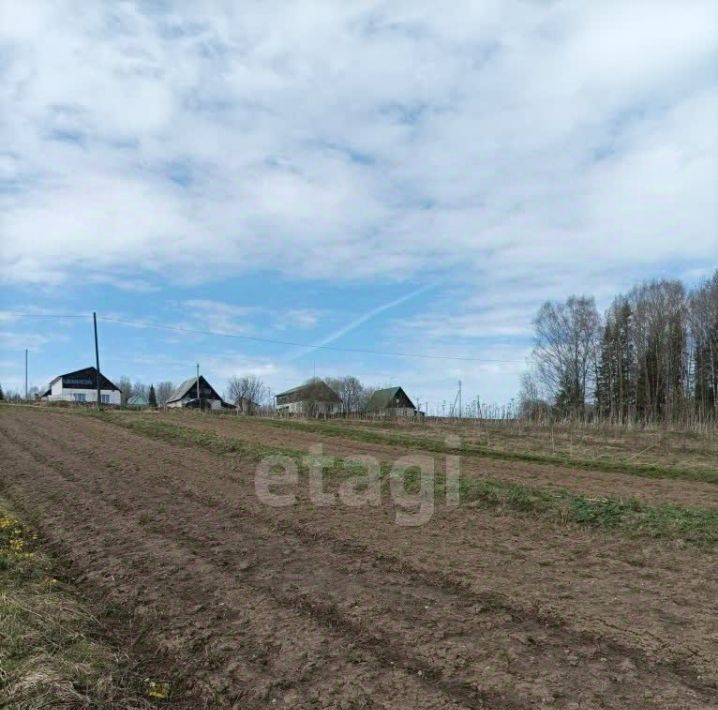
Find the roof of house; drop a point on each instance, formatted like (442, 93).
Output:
(87, 373)
(186, 388)
(138, 400)
(316, 389)
(384, 399)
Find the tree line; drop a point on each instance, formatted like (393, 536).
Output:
(651, 357)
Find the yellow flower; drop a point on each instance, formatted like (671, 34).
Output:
(157, 689)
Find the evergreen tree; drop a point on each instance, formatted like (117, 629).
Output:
(2, 394)
(616, 367)
(152, 397)
(625, 363)
(606, 375)
(570, 400)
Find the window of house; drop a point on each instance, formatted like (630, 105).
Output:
(105, 398)
(78, 396)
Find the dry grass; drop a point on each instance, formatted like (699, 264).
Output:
(654, 453)
(51, 649)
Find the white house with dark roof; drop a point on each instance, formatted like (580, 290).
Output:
(188, 395)
(81, 386)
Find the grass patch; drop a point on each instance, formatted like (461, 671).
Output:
(438, 446)
(629, 517)
(50, 652)
(626, 516)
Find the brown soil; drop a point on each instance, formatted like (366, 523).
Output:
(250, 606)
(592, 483)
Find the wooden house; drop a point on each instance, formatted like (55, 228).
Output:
(312, 399)
(391, 402)
(189, 395)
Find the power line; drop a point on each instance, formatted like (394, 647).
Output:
(44, 315)
(295, 344)
(257, 339)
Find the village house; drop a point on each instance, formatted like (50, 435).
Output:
(139, 401)
(391, 402)
(81, 386)
(312, 399)
(188, 395)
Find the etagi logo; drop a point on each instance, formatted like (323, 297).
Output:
(411, 481)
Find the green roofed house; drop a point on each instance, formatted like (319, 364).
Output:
(391, 402)
(139, 401)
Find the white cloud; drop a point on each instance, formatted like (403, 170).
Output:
(218, 316)
(559, 144)
(304, 318)
(11, 340)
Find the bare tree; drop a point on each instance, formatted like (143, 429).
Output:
(125, 385)
(164, 391)
(659, 337)
(352, 393)
(246, 393)
(139, 389)
(565, 350)
(532, 403)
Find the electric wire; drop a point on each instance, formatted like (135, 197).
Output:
(258, 339)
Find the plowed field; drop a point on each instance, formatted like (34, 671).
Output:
(237, 603)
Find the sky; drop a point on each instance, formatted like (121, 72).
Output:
(411, 179)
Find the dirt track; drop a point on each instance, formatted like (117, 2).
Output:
(592, 483)
(337, 607)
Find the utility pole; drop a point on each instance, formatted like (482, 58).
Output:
(199, 401)
(457, 402)
(26, 374)
(97, 359)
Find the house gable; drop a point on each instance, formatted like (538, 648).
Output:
(81, 386)
(188, 389)
(389, 398)
(83, 379)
